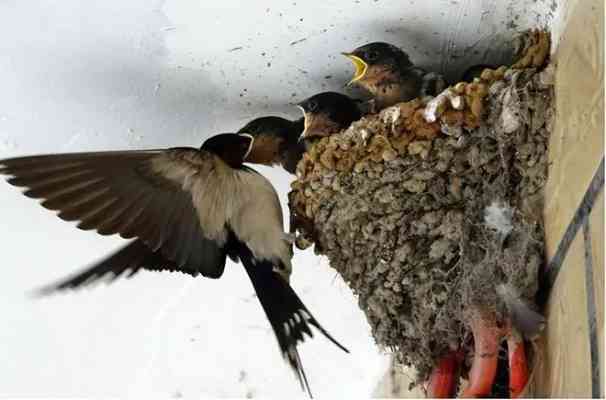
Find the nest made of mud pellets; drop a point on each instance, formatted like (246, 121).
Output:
(426, 207)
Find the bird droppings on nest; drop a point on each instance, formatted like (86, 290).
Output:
(428, 206)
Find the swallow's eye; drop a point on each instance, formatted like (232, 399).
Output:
(372, 55)
(312, 105)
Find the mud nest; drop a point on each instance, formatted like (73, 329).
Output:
(430, 208)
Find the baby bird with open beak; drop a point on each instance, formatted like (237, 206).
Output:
(387, 73)
(187, 210)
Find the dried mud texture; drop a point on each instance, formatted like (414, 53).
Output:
(425, 209)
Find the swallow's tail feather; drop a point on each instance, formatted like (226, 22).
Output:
(285, 311)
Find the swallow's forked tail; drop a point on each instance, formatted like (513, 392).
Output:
(287, 314)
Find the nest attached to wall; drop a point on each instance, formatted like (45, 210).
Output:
(428, 207)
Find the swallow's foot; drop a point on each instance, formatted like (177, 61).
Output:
(518, 366)
(442, 382)
(487, 338)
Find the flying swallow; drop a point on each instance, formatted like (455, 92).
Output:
(187, 210)
(387, 73)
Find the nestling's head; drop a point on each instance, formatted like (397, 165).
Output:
(327, 113)
(373, 61)
(275, 141)
(269, 126)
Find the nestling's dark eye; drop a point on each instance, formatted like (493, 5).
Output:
(372, 55)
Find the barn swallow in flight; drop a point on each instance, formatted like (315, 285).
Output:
(187, 210)
(327, 113)
(277, 140)
(387, 73)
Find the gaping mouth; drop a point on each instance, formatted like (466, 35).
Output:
(360, 66)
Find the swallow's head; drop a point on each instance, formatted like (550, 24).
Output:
(232, 148)
(270, 126)
(273, 138)
(373, 60)
(327, 113)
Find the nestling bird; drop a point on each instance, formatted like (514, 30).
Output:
(282, 141)
(327, 113)
(187, 210)
(277, 141)
(387, 73)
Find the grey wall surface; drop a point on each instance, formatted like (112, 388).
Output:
(78, 76)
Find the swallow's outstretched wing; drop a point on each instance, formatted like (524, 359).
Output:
(144, 194)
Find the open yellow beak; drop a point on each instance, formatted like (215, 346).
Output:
(360, 66)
